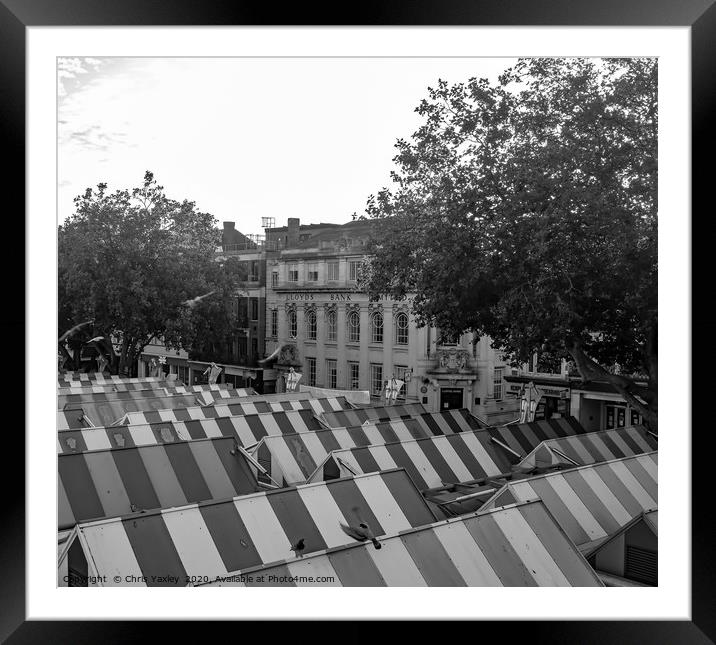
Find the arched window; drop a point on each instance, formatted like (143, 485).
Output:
(376, 325)
(292, 324)
(354, 327)
(331, 331)
(401, 329)
(311, 325)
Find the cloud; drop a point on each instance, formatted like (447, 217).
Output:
(72, 72)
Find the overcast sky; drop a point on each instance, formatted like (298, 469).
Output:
(245, 138)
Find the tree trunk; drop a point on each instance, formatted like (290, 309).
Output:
(643, 399)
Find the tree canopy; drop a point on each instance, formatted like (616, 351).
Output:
(129, 259)
(526, 210)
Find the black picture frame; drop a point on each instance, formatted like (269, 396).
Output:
(17, 15)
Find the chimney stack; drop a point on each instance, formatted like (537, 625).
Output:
(228, 226)
(294, 224)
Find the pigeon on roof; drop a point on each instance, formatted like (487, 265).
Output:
(361, 531)
(299, 547)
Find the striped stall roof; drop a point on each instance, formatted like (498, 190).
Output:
(430, 461)
(82, 398)
(241, 407)
(82, 387)
(106, 413)
(591, 448)
(210, 539)
(248, 430)
(359, 416)
(590, 502)
(119, 481)
(516, 546)
(93, 378)
(523, 438)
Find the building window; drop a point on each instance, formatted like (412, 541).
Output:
(331, 375)
(497, 383)
(312, 272)
(332, 331)
(292, 324)
(399, 373)
(376, 379)
(376, 326)
(401, 329)
(353, 270)
(293, 272)
(253, 271)
(354, 327)
(332, 271)
(183, 374)
(274, 279)
(311, 364)
(274, 322)
(354, 376)
(254, 308)
(311, 326)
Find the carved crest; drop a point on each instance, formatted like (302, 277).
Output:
(453, 359)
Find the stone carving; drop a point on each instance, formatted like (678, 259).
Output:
(288, 355)
(453, 360)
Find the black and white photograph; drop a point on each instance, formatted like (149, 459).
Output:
(357, 322)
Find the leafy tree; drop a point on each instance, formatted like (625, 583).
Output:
(526, 210)
(129, 260)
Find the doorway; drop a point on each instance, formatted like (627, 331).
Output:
(450, 398)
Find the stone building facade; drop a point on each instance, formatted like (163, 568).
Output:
(344, 340)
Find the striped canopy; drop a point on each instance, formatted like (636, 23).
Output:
(430, 462)
(522, 438)
(104, 413)
(519, 546)
(248, 430)
(109, 483)
(210, 539)
(591, 448)
(241, 407)
(74, 399)
(591, 502)
(83, 387)
(93, 378)
(361, 415)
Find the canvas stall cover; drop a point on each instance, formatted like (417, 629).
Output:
(591, 448)
(357, 397)
(241, 407)
(97, 379)
(248, 430)
(119, 481)
(83, 387)
(431, 462)
(360, 416)
(79, 399)
(104, 413)
(210, 539)
(518, 546)
(523, 438)
(590, 502)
